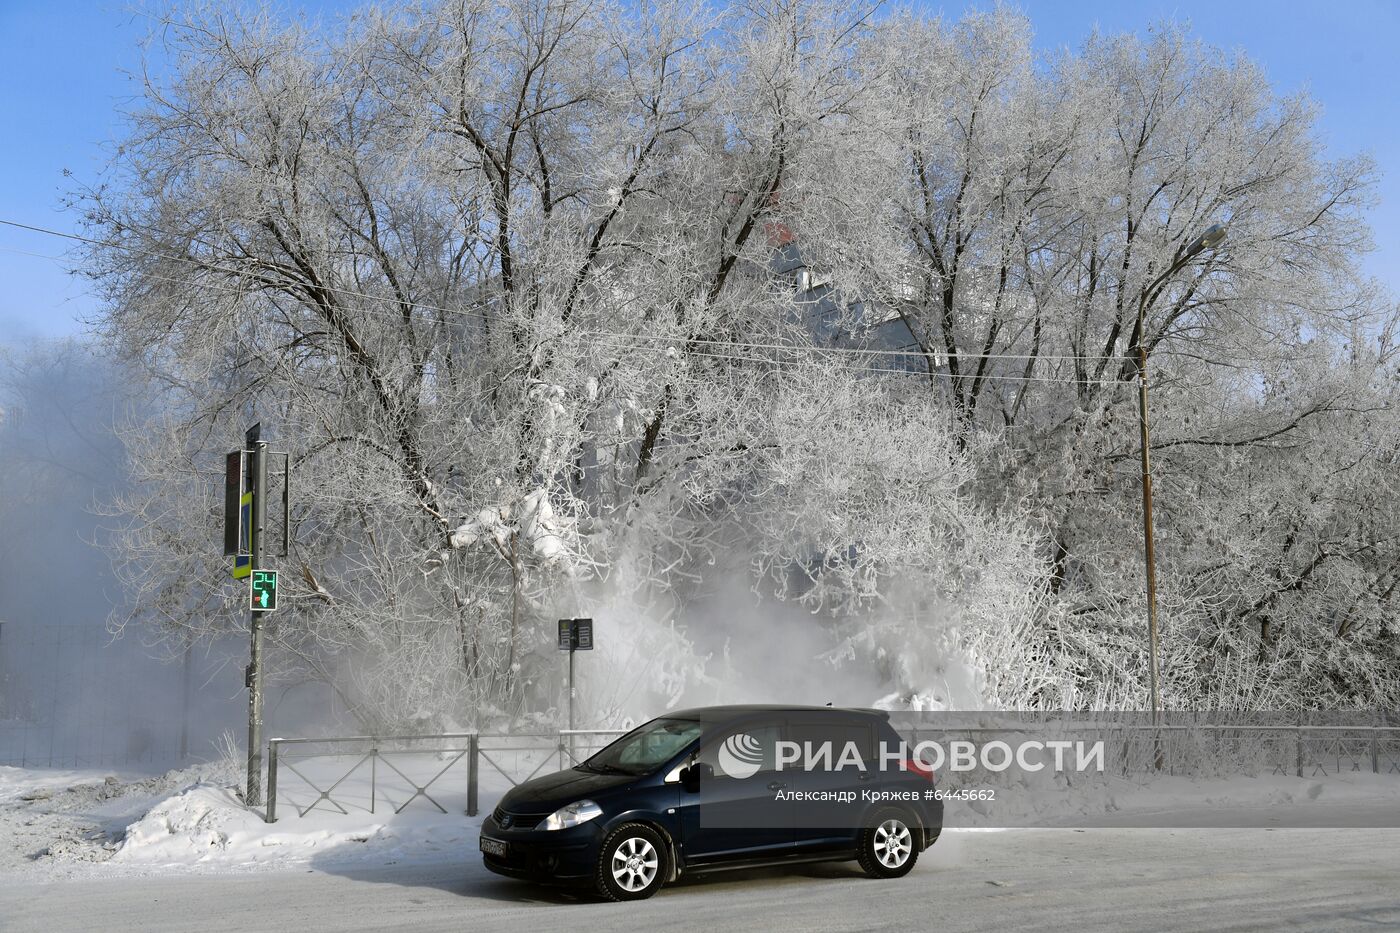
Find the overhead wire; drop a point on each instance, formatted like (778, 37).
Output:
(853, 365)
(637, 342)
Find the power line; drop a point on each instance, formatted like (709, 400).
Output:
(724, 344)
(211, 267)
(873, 351)
(25, 252)
(620, 342)
(857, 366)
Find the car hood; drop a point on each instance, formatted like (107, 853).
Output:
(552, 791)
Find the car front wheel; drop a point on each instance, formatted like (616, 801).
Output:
(631, 863)
(887, 847)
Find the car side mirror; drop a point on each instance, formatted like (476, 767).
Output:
(694, 773)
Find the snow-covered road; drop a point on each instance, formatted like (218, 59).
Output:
(1106, 879)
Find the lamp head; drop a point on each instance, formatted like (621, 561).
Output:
(1213, 236)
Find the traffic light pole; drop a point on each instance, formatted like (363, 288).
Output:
(258, 469)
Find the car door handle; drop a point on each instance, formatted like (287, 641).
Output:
(776, 785)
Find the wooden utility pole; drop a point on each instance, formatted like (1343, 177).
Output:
(1149, 553)
(1207, 240)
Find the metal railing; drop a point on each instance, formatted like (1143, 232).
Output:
(278, 758)
(1197, 749)
(567, 747)
(1211, 750)
(516, 758)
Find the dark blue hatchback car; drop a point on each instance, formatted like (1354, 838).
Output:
(720, 788)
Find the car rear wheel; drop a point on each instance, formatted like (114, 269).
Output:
(887, 847)
(631, 863)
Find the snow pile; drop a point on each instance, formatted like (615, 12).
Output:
(186, 827)
(52, 818)
(204, 825)
(59, 822)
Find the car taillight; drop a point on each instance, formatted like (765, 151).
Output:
(919, 768)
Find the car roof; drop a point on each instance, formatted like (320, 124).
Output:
(721, 713)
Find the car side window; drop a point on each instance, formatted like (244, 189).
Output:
(738, 748)
(653, 748)
(817, 734)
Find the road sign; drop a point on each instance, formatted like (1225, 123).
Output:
(575, 634)
(263, 592)
(243, 560)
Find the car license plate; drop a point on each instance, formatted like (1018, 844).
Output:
(493, 846)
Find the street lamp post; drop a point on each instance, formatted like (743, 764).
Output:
(1211, 238)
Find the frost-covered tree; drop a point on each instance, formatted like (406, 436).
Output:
(503, 281)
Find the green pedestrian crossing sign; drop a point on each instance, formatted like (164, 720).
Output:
(264, 590)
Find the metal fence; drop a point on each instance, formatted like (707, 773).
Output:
(1207, 750)
(411, 766)
(401, 769)
(367, 753)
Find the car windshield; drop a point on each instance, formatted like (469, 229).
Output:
(645, 748)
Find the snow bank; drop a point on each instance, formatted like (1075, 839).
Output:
(207, 826)
(194, 821)
(59, 819)
(54, 823)
(204, 825)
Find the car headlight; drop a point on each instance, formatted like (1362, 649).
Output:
(580, 811)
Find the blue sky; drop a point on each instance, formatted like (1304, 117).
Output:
(61, 89)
